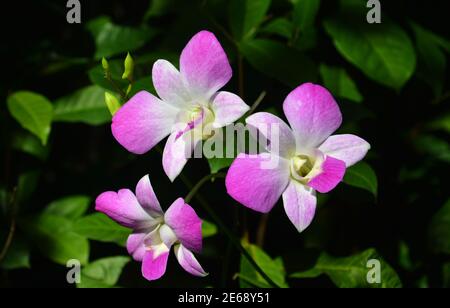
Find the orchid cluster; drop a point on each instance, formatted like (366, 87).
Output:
(190, 106)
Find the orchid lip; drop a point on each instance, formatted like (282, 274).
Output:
(305, 167)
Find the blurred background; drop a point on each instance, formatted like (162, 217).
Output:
(57, 152)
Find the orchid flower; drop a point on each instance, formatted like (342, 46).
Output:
(154, 233)
(309, 160)
(190, 106)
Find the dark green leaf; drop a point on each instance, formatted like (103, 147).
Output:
(70, 207)
(31, 145)
(18, 255)
(245, 16)
(280, 26)
(305, 12)
(352, 272)
(279, 61)
(340, 83)
(111, 39)
(86, 106)
(27, 186)
(432, 60)
(103, 273)
(99, 227)
(439, 233)
(446, 275)
(33, 111)
(435, 147)
(362, 176)
(383, 52)
(97, 75)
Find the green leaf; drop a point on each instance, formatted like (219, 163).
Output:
(279, 61)
(31, 145)
(351, 272)
(27, 185)
(273, 268)
(432, 60)
(279, 26)
(439, 231)
(111, 39)
(100, 228)
(54, 237)
(159, 8)
(86, 106)
(18, 255)
(245, 16)
(70, 207)
(434, 147)
(383, 52)
(446, 275)
(305, 12)
(208, 229)
(103, 273)
(441, 123)
(340, 83)
(33, 111)
(362, 176)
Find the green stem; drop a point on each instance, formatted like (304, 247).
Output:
(236, 242)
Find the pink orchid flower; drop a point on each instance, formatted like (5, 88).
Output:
(190, 106)
(309, 160)
(154, 233)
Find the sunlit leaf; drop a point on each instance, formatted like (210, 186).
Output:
(103, 273)
(85, 106)
(33, 111)
(362, 176)
(273, 268)
(70, 207)
(208, 229)
(54, 238)
(99, 227)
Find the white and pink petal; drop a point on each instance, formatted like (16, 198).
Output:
(143, 122)
(313, 115)
(204, 65)
(186, 225)
(227, 108)
(348, 148)
(147, 198)
(332, 173)
(257, 181)
(299, 204)
(188, 261)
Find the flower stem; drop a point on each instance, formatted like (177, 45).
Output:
(12, 226)
(235, 241)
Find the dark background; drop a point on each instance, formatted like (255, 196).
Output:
(87, 160)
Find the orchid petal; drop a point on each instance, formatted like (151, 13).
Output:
(147, 198)
(204, 65)
(333, 171)
(143, 122)
(188, 261)
(313, 115)
(348, 148)
(227, 108)
(300, 204)
(186, 225)
(257, 181)
(269, 126)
